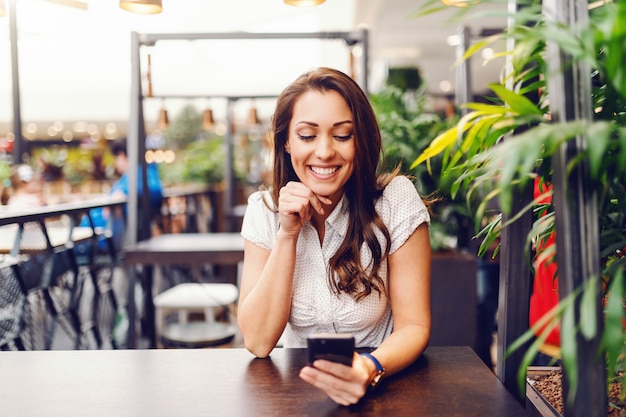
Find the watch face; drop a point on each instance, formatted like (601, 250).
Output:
(376, 379)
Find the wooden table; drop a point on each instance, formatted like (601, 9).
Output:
(187, 248)
(446, 381)
(175, 249)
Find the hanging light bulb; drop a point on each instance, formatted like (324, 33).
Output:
(142, 6)
(208, 122)
(304, 3)
(149, 76)
(459, 3)
(163, 122)
(253, 116)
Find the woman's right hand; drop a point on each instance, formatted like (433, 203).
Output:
(296, 205)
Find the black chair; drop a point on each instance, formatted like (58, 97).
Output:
(12, 305)
(53, 285)
(98, 258)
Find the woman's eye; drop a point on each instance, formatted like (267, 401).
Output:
(344, 137)
(306, 137)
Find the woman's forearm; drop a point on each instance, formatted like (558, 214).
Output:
(402, 347)
(265, 300)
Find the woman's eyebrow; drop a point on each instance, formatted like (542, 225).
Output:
(307, 123)
(343, 122)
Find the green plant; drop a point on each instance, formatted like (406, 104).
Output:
(407, 125)
(499, 147)
(201, 161)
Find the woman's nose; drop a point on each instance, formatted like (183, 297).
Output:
(324, 149)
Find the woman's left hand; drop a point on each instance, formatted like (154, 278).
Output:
(343, 384)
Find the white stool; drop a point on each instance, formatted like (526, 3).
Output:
(195, 298)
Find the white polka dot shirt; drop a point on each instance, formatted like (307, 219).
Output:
(315, 307)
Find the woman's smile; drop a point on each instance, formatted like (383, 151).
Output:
(323, 171)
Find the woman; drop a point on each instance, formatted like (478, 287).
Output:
(24, 189)
(331, 247)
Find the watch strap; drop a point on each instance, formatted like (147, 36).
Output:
(379, 367)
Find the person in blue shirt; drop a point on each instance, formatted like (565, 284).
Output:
(120, 187)
(101, 217)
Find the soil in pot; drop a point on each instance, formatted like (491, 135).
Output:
(549, 386)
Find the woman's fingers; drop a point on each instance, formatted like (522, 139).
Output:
(339, 382)
(296, 191)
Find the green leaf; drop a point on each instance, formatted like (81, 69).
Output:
(588, 309)
(517, 102)
(569, 355)
(445, 140)
(487, 108)
(613, 335)
(598, 136)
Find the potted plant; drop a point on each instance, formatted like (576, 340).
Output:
(499, 147)
(408, 122)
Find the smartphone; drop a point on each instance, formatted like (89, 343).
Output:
(331, 347)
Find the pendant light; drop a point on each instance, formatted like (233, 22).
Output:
(304, 3)
(459, 3)
(142, 6)
(163, 122)
(253, 116)
(149, 76)
(208, 123)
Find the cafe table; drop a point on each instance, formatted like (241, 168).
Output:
(445, 381)
(188, 249)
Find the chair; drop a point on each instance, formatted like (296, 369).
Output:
(194, 299)
(12, 306)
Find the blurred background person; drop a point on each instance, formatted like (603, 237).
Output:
(24, 189)
(101, 217)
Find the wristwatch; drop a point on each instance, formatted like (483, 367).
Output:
(381, 371)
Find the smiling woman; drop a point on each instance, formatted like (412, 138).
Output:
(331, 246)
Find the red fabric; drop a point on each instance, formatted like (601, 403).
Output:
(545, 293)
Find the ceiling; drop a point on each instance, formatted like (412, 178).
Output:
(399, 39)
(74, 63)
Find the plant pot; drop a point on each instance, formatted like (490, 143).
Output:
(536, 404)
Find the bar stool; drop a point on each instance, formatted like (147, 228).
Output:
(189, 298)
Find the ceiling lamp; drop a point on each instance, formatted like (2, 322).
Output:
(253, 115)
(459, 3)
(142, 6)
(163, 122)
(3, 10)
(304, 3)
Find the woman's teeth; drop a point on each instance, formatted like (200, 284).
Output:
(324, 171)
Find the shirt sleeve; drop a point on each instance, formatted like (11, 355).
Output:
(402, 210)
(260, 224)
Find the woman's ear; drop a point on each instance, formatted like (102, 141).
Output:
(287, 148)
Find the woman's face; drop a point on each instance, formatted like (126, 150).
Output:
(321, 142)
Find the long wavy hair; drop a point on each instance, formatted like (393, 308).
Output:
(362, 190)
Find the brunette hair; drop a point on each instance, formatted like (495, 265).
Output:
(362, 190)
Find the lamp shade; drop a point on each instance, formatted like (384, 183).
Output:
(459, 3)
(253, 115)
(207, 119)
(163, 121)
(142, 6)
(304, 3)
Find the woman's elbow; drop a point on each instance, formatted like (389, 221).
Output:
(260, 350)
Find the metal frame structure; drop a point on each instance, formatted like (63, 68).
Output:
(139, 229)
